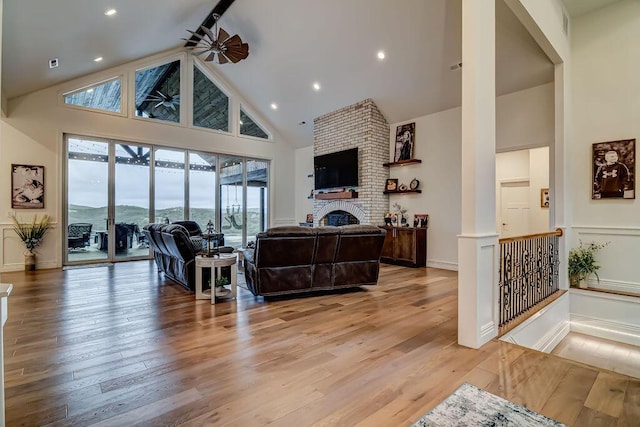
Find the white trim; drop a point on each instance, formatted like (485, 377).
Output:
(615, 285)
(551, 339)
(444, 265)
(607, 329)
(603, 295)
(617, 230)
(122, 77)
(488, 331)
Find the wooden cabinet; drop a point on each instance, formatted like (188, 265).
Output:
(405, 246)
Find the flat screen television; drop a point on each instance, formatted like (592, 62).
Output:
(335, 170)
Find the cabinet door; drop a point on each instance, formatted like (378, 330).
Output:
(406, 245)
(387, 247)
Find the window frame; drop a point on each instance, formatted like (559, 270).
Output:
(92, 84)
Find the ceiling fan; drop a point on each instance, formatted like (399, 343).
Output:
(218, 45)
(167, 101)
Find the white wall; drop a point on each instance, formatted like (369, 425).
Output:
(304, 183)
(33, 134)
(606, 107)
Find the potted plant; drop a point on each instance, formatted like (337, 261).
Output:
(220, 283)
(582, 263)
(31, 234)
(401, 212)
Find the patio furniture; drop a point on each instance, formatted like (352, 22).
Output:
(78, 235)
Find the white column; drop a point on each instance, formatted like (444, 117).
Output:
(5, 290)
(478, 241)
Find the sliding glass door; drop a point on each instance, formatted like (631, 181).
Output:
(115, 188)
(107, 200)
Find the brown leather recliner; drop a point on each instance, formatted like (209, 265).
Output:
(296, 259)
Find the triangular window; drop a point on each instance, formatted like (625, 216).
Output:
(158, 92)
(104, 96)
(249, 127)
(210, 104)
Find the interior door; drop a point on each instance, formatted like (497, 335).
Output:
(514, 209)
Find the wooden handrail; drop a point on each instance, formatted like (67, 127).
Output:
(558, 232)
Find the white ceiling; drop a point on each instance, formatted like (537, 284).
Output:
(580, 7)
(292, 43)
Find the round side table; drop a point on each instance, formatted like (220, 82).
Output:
(215, 264)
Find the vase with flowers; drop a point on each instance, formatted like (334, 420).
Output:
(401, 213)
(582, 263)
(31, 234)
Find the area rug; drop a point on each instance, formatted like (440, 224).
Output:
(472, 406)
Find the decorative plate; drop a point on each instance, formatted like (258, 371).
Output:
(414, 184)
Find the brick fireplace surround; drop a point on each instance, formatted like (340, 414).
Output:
(359, 125)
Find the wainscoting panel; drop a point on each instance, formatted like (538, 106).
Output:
(545, 329)
(620, 266)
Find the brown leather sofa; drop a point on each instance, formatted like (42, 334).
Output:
(295, 259)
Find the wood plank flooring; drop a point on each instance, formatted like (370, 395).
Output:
(121, 346)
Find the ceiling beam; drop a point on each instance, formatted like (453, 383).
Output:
(219, 9)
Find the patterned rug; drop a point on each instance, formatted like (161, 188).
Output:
(471, 406)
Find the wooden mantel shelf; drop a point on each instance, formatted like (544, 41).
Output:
(402, 163)
(341, 195)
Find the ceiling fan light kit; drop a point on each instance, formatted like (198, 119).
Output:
(217, 45)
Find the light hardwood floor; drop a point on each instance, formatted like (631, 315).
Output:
(119, 345)
(614, 356)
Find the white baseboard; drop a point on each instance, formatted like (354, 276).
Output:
(444, 265)
(19, 266)
(607, 329)
(553, 337)
(615, 285)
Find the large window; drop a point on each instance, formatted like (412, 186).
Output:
(169, 185)
(202, 188)
(158, 92)
(210, 104)
(102, 96)
(250, 127)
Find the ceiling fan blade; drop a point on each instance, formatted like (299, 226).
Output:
(238, 53)
(234, 41)
(208, 32)
(173, 107)
(210, 57)
(194, 34)
(222, 59)
(202, 52)
(162, 95)
(158, 104)
(223, 36)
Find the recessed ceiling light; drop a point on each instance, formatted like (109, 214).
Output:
(274, 106)
(316, 86)
(98, 59)
(110, 12)
(381, 55)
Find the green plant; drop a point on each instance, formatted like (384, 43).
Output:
(32, 233)
(222, 281)
(582, 260)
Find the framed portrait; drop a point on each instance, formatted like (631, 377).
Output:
(405, 139)
(27, 187)
(309, 218)
(614, 167)
(544, 197)
(420, 220)
(391, 185)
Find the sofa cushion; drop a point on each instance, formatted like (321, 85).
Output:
(361, 229)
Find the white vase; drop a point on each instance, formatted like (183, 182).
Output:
(583, 283)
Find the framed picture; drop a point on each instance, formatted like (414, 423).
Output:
(391, 185)
(544, 197)
(614, 170)
(27, 187)
(405, 138)
(421, 220)
(309, 218)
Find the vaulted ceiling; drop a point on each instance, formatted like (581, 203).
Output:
(292, 43)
